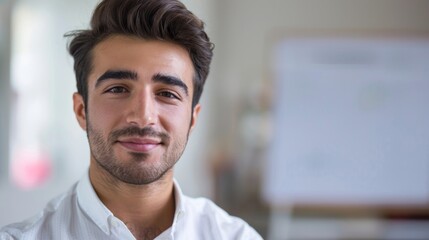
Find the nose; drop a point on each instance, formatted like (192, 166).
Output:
(142, 109)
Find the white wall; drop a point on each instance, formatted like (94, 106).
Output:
(47, 44)
(4, 85)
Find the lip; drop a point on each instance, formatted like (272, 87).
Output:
(141, 145)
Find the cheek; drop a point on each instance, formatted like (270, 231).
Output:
(176, 122)
(102, 115)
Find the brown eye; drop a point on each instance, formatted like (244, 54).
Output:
(168, 95)
(117, 90)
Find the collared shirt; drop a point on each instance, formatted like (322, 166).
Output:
(79, 214)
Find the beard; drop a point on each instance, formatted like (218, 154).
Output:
(134, 169)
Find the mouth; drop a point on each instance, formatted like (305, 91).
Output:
(139, 145)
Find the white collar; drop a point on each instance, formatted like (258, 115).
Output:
(92, 205)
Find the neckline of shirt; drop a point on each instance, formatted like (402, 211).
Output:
(100, 214)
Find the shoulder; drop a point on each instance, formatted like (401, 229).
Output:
(43, 222)
(205, 207)
(219, 222)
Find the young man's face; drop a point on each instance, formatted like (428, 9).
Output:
(139, 111)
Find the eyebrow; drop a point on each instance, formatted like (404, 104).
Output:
(131, 75)
(170, 80)
(117, 74)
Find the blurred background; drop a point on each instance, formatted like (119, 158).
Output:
(314, 121)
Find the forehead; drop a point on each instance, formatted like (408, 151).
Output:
(145, 57)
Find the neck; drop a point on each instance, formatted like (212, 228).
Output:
(145, 209)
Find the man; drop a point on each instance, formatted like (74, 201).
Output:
(140, 72)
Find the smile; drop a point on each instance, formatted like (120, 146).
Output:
(141, 145)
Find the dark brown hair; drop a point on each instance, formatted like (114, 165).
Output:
(166, 20)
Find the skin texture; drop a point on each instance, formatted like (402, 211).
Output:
(138, 119)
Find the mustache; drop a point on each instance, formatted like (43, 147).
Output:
(139, 132)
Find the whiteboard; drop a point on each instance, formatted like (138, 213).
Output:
(351, 122)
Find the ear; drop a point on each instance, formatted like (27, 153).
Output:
(195, 114)
(79, 110)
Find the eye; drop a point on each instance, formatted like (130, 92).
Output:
(117, 90)
(168, 94)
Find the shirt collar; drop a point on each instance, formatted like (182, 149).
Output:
(92, 205)
(100, 214)
(180, 205)
(178, 196)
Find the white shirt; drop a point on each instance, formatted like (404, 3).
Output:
(79, 214)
